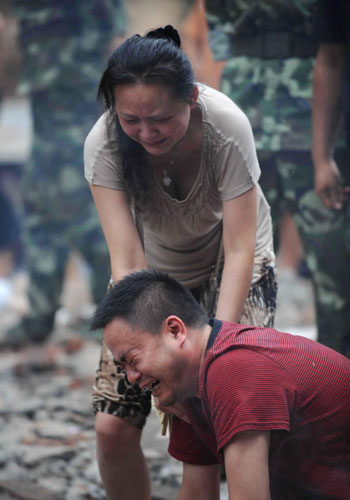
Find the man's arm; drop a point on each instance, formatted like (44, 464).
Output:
(200, 482)
(247, 466)
(326, 114)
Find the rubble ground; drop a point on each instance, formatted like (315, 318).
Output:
(47, 446)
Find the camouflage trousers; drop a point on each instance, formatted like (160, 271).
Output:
(60, 215)
(48, 245)
(287, 181)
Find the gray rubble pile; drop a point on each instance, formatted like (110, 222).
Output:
(47, 447)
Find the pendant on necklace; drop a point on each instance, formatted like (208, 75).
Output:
(166, 181)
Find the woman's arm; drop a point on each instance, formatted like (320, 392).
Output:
(124, 245)
(239, 235)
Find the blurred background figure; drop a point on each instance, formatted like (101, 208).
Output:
(269, 51)
(292, 269)
(15, 144)
(63, 52)
(331, 97)
(331, 103)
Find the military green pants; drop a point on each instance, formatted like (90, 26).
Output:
(287, 181)
(59, 211)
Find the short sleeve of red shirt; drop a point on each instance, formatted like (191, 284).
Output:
(186, 445)
(246, 390)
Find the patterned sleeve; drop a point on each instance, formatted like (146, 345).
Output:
(257, 393)
(119, 16)
(328, 22)
(218, 32)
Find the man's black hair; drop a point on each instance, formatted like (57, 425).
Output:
(144, 299)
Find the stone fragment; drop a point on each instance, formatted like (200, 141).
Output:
(32, 455)
(160, 492)
(55, 430)
(27, 490)
(57, 485)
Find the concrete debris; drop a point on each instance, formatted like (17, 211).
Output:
(47, 438)
(25, 490)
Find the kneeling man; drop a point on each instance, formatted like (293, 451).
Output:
(273, 407)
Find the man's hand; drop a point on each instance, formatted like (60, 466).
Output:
(328, 184)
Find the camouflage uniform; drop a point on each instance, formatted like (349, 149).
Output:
(63, 50)
(269, 50)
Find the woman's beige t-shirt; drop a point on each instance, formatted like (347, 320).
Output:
(182, 237)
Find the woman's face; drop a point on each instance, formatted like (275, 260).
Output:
(152, 116)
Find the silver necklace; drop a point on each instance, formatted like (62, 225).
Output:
(166, 181)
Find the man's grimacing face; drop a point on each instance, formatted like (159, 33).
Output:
(153, 361)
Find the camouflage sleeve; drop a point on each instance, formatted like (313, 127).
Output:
(328, 25)
(60, 44)
(218, 30)
(119, 16)
(107, 16)
(188, 4)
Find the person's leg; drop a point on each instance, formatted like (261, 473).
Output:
(121, 409)
(92, 245)
(46, 259)
(290, 252)
(11, 214)
(121, 462)
(47, 216)
(323, 236)
(272, 189)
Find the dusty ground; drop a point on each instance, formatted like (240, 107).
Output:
(46, 423)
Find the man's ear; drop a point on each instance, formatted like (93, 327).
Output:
(176, 327)
(194, 97)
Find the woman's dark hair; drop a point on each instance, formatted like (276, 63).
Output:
(153, 58)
